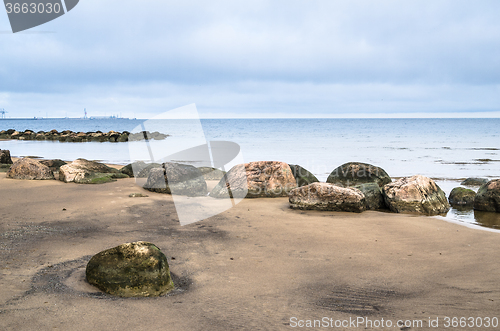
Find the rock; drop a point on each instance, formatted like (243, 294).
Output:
(70, 136)
(302, 176)
(138, 195)
(5, 156)
(4, 167)
(54, 165)
(354, 173)
(462, 197)
(27, 168)
(210, 173)
(474, 181)
(139, 169)
(325, 196)
(417, 194)
(82, 171)
(137, 269)
(176, 178)
(262, 179)
(374, 199)
(488, 197)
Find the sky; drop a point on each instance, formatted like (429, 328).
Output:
(257, 59)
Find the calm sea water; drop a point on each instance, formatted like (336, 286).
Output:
(445, 149)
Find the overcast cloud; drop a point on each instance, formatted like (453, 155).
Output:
(257, 59)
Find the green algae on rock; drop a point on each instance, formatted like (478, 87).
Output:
(137, 269)
(460, 196)
(355, 173)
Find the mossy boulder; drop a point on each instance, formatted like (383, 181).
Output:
(137, 269)
(177, 179)
(355, 173)
(417, 194)
(82, 171)
(302, 176)
(461, 196)
(488, 197)
(374, 199)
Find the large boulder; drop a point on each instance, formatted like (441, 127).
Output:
(210, 173)
(82, 171)
(474, 181)
(261, 179)
(488, 197)
(302, 176)
(417, 194)
(178, 179)
(324, 196)
(5, 157)
(461, 196)
(139, 169)
(374, 199)
(355, 173)
(137, 269)
(27, 168)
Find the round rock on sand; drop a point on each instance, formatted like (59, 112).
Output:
(261, 179)
(137, 269)
(27, 168)
(417, 194)
(324, 196)
(355, 173)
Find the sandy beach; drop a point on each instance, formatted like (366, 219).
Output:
(257, 266)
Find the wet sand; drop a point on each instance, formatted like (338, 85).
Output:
(253, 267)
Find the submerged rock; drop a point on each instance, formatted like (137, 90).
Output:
(262, 179)
(460, 196)
(488, 197)
(354, 173)
(5, 156)
(302, 176)
(176, 178)
(474, 181)
(417, 194)
(374, 198)
(137, 269)
(27, 168)
(82, 171)
(324, 196)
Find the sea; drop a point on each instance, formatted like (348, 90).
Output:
(446, 150)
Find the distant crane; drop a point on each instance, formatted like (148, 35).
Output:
(3, 112)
